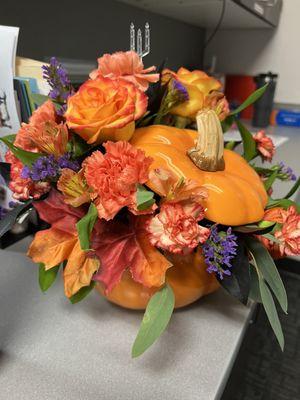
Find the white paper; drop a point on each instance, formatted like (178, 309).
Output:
(9, 120)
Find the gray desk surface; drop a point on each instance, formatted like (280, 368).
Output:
(53, 350)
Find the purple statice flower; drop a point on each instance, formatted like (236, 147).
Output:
(219, 250)
(175, 95)
(66, 162)
(180, 92)
(58, 80)
(47, 168)
(286, 173)
(44, 168)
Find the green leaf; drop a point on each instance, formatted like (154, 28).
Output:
(265, 224)
(26, 157)
(270, 308)
(293, 189)
(155, 320)
(79, 146)
(82, 293)
(11, 138)
(231, 145)
(85, 226)
(284, 203)
(260, 228)
(46, 278)
(227, 123)
(250, 100)
(268, 270)
(248, 142)
(271, 237)
(269, 182)
(254, 286)
(144, 198)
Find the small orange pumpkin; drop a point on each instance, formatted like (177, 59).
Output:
(188, 279)
(236, 196)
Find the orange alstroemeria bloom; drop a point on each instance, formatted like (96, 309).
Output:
(60, 243)
(74, 188)
(50, 137)
(200, 86)
(105, 109)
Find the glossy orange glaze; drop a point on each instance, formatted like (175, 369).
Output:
(188, 279)
(236, 196)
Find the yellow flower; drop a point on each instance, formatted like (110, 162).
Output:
(198, 84)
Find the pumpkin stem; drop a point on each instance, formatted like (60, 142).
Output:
(208, 152)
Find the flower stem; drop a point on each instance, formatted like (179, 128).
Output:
(208, 152)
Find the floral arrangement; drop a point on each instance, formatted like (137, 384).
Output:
(141, 199)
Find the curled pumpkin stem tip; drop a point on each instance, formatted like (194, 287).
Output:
(207, 154)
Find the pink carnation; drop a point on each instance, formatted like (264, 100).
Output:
(23, 189)
(125, 65)
(175, 230)
(264, 145)
(288, 235)
(115, 175)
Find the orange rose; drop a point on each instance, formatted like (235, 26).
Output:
(199, 86)
(105, 109)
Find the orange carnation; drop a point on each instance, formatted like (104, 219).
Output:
(115, 175)
(288, 233)
(125, 65)
(105, 109)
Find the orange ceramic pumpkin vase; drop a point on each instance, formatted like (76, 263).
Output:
(236, 196)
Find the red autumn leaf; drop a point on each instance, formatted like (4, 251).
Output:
(120, 247)
(57, 213)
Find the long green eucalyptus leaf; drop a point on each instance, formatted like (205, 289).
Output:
(47, 278)
(270, 308)
(82, 293)
(268, 270)
(250, 100)
(271, 179)
(293, 189)
(249, 144)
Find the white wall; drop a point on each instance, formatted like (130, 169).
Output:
(253, 51)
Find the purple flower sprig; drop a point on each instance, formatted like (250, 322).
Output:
(47, 168)
(176, 94)
(58, 80)
(219, 250)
